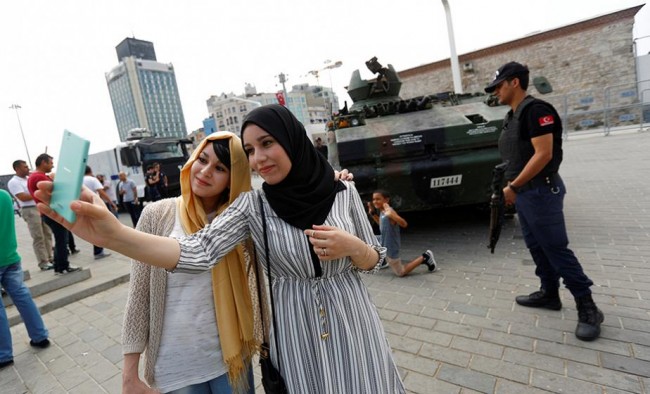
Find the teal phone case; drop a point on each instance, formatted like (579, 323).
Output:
(69, 174)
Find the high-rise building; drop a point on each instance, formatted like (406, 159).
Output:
(144, 92)
(136, 48)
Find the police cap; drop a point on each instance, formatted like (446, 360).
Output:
(507, 71)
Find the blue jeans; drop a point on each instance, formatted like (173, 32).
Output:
(11, 279)
(218, 385)
(541, 217)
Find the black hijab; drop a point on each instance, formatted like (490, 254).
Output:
(306, 195)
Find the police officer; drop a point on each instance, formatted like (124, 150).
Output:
(531, 143)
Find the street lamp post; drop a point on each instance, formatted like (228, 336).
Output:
(453, 58)
(329, 67)
(17, 107)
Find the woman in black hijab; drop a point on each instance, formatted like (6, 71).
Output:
(329, 332)
(306, 195)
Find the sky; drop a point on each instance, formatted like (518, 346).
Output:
(55, 53)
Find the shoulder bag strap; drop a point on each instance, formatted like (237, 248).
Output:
(260, 299)
(268, 273)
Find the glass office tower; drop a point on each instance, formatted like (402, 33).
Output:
(144, 94)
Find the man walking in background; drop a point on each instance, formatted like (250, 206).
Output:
(95, 185)
(44, 165)
(11, 279)
(40, 232)
(129, 193)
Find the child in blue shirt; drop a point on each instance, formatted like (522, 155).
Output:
(390, 222)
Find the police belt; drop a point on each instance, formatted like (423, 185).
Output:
(550, 180)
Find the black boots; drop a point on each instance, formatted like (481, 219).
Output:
(589, 316)
(589, 319)
(548, 299)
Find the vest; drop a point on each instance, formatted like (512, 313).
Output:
(518, 150)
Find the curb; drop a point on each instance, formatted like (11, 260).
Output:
(38, 289)
(68, 294)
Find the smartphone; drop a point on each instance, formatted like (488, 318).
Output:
(68, 177)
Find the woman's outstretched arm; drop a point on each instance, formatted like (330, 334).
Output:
(97, 225)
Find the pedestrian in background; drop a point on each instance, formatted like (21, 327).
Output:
(111, 203)
(95, 185)
(151, 189)
(72, 246)
(11, 279)
(322, 148)
(531, 143)
(40, 232)
(390, 223)
(129, 192)
(163, 182)
(44, 165)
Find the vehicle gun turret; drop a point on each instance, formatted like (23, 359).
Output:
(435, 150)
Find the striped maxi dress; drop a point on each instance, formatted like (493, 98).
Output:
(330, 336)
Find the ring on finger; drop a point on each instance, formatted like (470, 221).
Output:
(313, 233)
(324, 251)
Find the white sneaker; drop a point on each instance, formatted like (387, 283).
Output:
(67, 270)
(429, 260)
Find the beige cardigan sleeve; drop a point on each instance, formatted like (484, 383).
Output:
(145, 302)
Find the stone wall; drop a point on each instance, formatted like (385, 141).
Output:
(587, 55)
(589, 64)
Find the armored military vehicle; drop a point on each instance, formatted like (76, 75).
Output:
(427, 152)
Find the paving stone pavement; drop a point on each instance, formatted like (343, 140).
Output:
(457, 330)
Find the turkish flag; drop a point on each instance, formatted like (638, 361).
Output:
(546, 120)
(280, 96)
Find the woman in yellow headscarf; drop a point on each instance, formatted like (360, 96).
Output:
(196, 331)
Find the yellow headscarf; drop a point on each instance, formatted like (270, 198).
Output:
(232, 297)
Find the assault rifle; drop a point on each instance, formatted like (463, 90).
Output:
(497, 205)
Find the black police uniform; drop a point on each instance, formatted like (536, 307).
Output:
(162, 189)
(539, 203)
(151, 189)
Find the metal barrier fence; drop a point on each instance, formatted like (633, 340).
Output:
(624, 106)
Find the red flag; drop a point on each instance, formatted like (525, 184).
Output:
(546, 120)
(280, 96)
